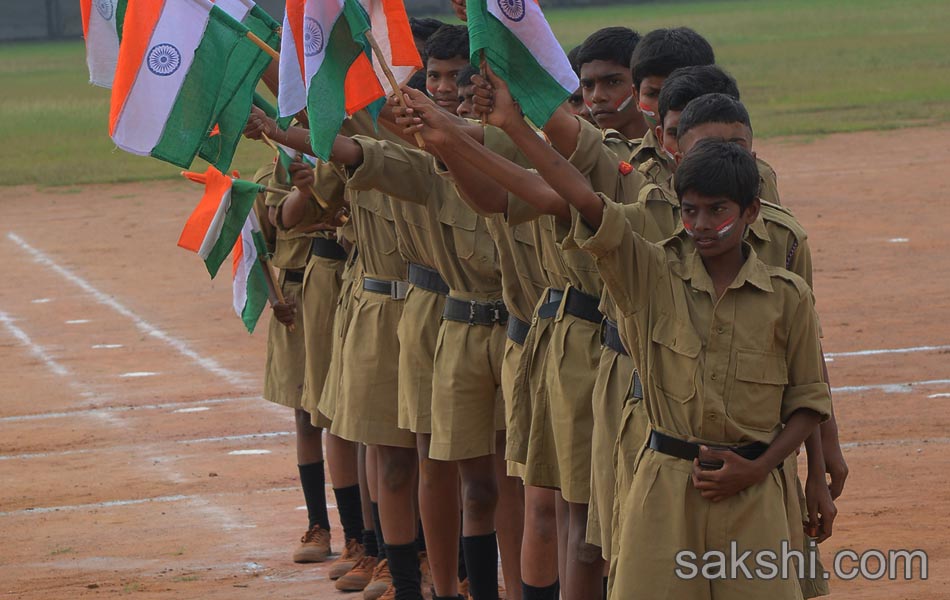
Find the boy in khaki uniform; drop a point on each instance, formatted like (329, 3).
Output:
(735, 298)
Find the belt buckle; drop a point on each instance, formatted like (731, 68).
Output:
(713, 465)
(471, 313)
(398, 290)
(496, 311)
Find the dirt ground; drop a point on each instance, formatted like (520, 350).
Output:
(137, 457)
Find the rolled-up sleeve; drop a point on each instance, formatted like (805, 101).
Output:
(806, 385)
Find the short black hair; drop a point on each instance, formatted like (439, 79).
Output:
(662, 51)
(418, 82)
(717, 168)
(686, 83)
(423, 27)
(611, 44)
(448, 42)
(465, 76)
(572, 58)
(712, 108)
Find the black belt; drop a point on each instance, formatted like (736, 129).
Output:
(427, 279)
(610, 337)
(581, 305)
(394, 289)
(672, 446)
(637, 387)
(549, 308)
(517, 330)
(327, 248)
(474, 312)
(293, 275)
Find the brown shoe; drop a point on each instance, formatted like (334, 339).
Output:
(381, 582)
(389, 594)
(359, 576)
(351, 555)
(314, 546)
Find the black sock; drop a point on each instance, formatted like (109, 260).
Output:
(380, 540)
(459, 597)
(421, 539)
(481, 561)
(351, 511)
(605, 589)
(370, 545)
(313, 482)
(463, 572)
(404, 567)
(549, 592)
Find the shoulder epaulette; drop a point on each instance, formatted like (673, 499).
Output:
(784, 217)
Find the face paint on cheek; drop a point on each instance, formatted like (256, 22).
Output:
(723, 231)
(648, 115)
(689, 229)
(624, 103)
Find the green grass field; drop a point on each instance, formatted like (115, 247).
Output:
(805, 67)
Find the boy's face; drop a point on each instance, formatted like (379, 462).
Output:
(737, 133)
(576, 104)
(466, 108)
(716, 224)
(666, 133)
(607, 88)
(440, 80)
(648, 98)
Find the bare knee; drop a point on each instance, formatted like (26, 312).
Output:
(397, 467)
(305, 427)
(480, 497)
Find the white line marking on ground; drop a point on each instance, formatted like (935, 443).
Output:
(130, 448)
(890, 388)
(207, 363)
(78, 321)
(301, 508)
(39, 510)
(940, 395)
(192, 410)
(889, 351)
(135, 374)
(874, 443)
(105, 346)
(248, 452)
(34, 348)
(898, 240)
(91, 411)
(41, 300)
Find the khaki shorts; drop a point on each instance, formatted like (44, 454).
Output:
(570, 370)
(513, 421)
(797, 510)
(611, 389)
(668, 515)
(367, 409)
(418, 333)
(286, 359)
(467, 406)
(531, 405)
(326, 402)
(317, 307)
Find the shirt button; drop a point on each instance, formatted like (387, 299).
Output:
(714, 377)
(719, 330)
(712, 417)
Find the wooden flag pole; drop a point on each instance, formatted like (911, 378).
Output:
(483, 71)
(272, 284)
(400, 98)
(263, 46)
(323, 204)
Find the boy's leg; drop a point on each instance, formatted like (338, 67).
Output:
(509, 521)
(397, 515)
(479, 500)
(315, 544)
(342, 458)
(439, 508)
(585, 565)
(563, 515)
(539, 550)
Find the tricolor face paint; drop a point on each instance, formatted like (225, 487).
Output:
(648, 115)
(722, 232)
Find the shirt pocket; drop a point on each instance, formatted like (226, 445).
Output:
(472, 243)
(676, 349)
(384, 236)
(756, 398)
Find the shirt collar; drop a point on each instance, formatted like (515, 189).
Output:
(754, 272)
(759, 230)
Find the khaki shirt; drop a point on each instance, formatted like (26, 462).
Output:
(462, 248)
(727, 371)
(651, 160)
(768, 182)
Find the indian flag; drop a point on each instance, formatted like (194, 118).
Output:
(521, 48)
(217, 221)
(322, 42)
(251, 290)
(390, 26)
(286, 156)
(101, 28)
(172, 65)
(245, 67)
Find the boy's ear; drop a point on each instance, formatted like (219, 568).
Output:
(658, 131)
(751, 212)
